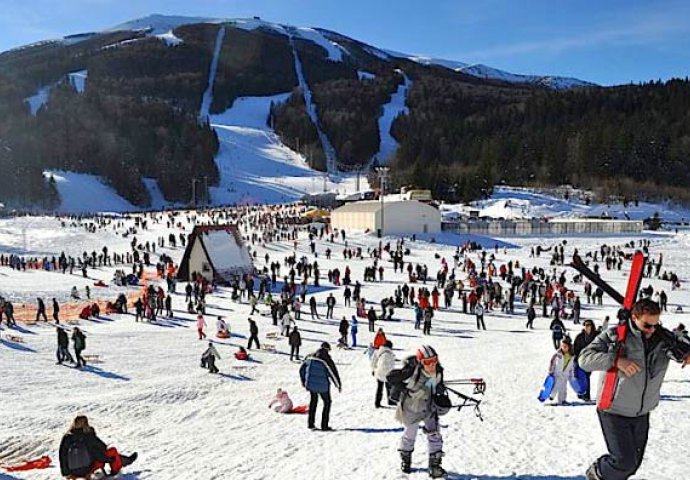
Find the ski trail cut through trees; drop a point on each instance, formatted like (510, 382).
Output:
(328, 149)
(208, 94)
(396, 106)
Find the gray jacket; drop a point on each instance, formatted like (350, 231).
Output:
(637, 395)
(416, 403)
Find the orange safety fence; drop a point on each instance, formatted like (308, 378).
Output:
(68, 311)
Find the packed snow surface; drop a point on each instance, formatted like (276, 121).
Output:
(149, 394)
(518, 202)
(37, 100)
(83, 192)
(78, 80)
(395, 107)
(170, 38)
(207, 98)
(255, 166)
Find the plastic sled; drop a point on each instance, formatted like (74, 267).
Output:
(300, 409)
(39, 463)
(546, 390)
(579, 381)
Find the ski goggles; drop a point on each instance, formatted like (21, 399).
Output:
(428, 362)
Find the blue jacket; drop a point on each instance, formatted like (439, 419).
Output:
(318, 371)
(353, 325)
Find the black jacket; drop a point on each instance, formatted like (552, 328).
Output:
(295, 339)
(253, 329)
(582, 340)
(94, 445)
(62, 338)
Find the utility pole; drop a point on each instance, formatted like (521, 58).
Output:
(194, 180)
(206, 202)
(383, 172)
(325, 176)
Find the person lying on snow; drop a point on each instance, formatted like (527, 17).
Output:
(83, 453)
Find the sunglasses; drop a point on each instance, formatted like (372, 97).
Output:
(651, 326)
(429, 361)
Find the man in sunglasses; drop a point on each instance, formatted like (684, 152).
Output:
(642, 368)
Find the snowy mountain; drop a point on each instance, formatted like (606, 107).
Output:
(134, 107)
(490, 73)
(160, 24)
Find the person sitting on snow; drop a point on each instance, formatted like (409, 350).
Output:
(222, 330)
(241, 354)
(283, 401)
(83, 453)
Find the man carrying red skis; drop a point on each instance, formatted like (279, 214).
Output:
(646, 353)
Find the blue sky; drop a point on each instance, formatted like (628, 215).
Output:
(606, 41)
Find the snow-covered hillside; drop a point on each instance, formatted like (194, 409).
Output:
(149, 394)
(490, 73)
(255, 166)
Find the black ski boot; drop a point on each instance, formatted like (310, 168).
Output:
(592, 472)
(406, 461)
(435, 468)
(128, 460)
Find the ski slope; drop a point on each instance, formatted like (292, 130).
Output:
(150, 395)
(396, 106)
(255, 166)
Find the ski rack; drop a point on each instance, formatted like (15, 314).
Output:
(466, 402)
(479, 384)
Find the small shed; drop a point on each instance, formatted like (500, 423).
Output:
(393, 217)
(216, 252)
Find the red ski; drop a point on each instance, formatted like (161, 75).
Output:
(634, 280)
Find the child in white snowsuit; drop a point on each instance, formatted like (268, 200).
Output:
(284, 404)
(563, 369)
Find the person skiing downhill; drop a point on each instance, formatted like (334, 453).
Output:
(416, 405)
(642, 368)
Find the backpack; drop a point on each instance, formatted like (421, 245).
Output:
(78, 456)
(396, 379)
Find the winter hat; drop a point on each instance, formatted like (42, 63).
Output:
(326, 346)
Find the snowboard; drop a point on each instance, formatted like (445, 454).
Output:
(546, 390)
(579, 382)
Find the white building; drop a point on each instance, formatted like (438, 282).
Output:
(215, 252)
(397, 217)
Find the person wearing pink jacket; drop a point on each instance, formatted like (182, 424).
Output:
(200, 324)
(283, 401)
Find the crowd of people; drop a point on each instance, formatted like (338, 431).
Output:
(472, 282)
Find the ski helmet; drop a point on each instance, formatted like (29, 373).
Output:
(426, 352)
